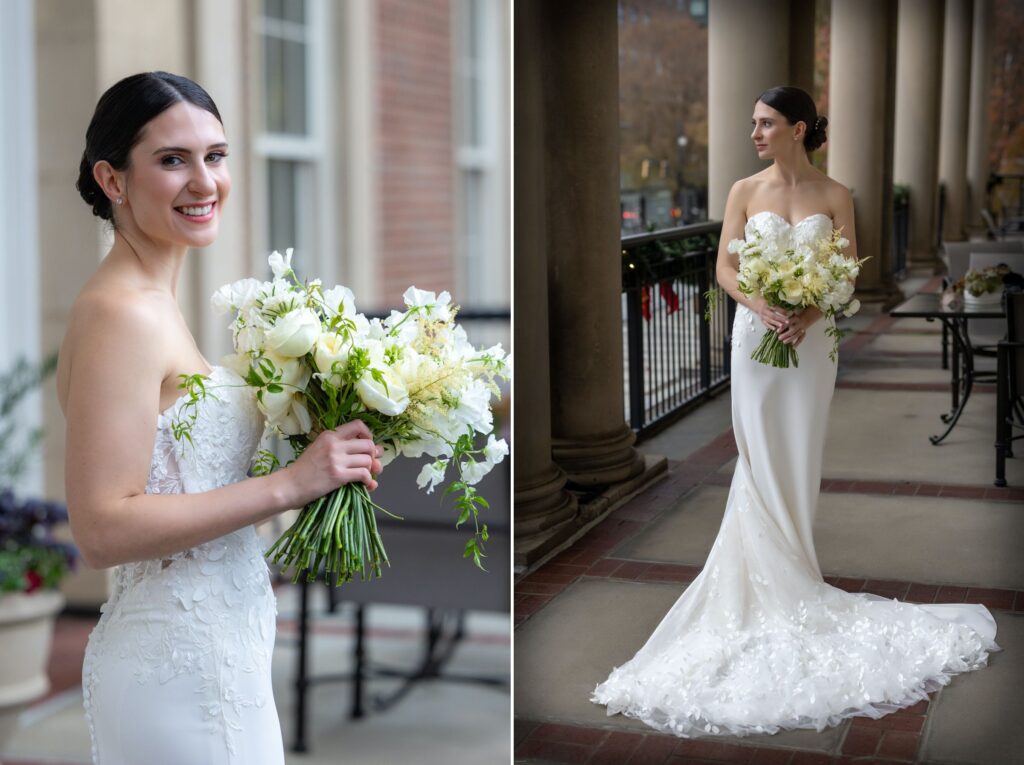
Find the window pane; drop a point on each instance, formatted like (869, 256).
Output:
(282, 206)
(286, 10)
(285, 77)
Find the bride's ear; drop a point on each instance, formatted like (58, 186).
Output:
(800, 130)
(110, 181)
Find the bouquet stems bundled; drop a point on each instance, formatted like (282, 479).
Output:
(775, 352)
(339, 531)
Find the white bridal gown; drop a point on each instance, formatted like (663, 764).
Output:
(177, 669)
(759, 642)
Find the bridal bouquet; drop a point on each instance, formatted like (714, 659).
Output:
(413, 378)
(814, 274)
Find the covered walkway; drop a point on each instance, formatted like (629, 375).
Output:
(897, 516)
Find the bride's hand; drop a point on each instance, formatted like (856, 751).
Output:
(795, 329)
(343, 455)
(772, 317)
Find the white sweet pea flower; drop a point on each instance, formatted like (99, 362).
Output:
(237, 363)
(495, 451)
(852, 308)
(238, 296)
(294, 333)
(473, 472)
(432, 474)
(435, 306)
(389, 453)
(280, 266)
(339, 301)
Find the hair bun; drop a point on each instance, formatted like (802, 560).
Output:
(816, 136)
(91, 191)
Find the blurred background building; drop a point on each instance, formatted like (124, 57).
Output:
(370, 135)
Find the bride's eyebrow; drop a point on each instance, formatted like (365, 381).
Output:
(183, 150)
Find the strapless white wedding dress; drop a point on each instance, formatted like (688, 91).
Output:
(758, 642)
(177, 669)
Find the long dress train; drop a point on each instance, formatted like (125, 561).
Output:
(758, 642)
(177, 669)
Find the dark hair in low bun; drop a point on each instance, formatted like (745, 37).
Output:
(120, 117)
(796, 105)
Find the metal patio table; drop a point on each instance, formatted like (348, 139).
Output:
(928, 306)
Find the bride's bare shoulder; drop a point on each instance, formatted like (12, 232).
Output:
(110, 319)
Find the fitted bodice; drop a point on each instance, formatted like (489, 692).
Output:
(779, 232)
(209, 611)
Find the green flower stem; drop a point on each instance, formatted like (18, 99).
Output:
(338, 531)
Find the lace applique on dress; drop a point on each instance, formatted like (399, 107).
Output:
(208, 612)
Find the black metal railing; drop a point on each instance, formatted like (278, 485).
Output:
(674, 358)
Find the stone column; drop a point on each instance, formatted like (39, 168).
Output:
(860, 131)
(801, 45)
(544, 511)
(918, 90)
(956, 76)
(977, 120)
(591, 439)
(748, 52)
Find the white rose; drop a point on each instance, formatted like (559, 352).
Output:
(294, 333)
(330, 347)
(296, 421)
(281, 265)
(390, 397)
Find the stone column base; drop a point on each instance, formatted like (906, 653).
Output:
(545, 515)
(533, 552)
(599, 462)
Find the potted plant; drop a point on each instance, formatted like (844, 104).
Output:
(981, 287)
(32, 562)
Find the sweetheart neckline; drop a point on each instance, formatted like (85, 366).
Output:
(213, 368)
(786, 221)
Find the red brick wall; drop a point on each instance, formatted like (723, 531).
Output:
(415, 147)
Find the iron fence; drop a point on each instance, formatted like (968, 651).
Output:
(674, 357)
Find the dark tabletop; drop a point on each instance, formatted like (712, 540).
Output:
(928, 304)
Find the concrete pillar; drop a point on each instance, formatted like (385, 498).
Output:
(544, 511)
(860, 131)
(956, 79)
(918, 91)
(591, 439)
(977, 120)
(748, 52)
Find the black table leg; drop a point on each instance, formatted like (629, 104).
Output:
(359, 673)
(1002, 415)
(963, 374)
(301, 681)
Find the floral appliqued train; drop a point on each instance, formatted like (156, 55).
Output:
(759, 642)
(177, 668)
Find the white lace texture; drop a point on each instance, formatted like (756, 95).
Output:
(209, 612)
(758, 642)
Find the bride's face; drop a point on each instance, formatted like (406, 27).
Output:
(178, 179)
(772, 134)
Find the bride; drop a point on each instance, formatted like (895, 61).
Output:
(759, 642)
(177, 669)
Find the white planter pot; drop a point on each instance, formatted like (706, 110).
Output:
(987, 299)
(26, 634)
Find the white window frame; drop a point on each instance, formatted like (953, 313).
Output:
(487, 158)
(318, 218)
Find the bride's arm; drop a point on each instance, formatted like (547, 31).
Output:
(727, 264)
(113, 399)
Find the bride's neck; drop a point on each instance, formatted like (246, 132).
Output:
(791, 170)
(156, 266)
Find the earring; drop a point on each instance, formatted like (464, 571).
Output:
(119, 201)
